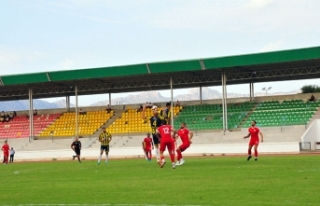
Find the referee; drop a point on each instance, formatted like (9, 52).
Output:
(76, 147)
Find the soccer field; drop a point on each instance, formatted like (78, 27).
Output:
(273, 180)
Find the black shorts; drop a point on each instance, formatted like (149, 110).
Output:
(77, 151)
(105, 147)
(155, 138)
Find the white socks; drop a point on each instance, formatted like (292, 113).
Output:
(99, 159)
(157, 153)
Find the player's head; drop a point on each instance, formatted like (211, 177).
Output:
(183, 125)
(168, 104)
(148, 134)
(253, 123)
(103, 129)
(5, 141)
(77, 138)
(154, 109)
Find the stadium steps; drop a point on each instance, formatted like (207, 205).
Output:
(94, 142)
(248, 115)
(315, 116)
(117, 114)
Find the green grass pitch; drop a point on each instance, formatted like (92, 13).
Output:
(273, 180)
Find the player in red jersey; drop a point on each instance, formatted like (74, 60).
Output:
(254, 133)
(146, 146)
(5, 148)
(185, 136)
(166, 133)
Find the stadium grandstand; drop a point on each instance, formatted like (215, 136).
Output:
(214, 121)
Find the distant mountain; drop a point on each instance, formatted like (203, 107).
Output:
(193, 94)
(24, 105)
(150, 96)
(143, 97)
(62, 104)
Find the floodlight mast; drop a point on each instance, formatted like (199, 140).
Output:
(266, 89)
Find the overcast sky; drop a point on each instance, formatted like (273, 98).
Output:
(39, 35)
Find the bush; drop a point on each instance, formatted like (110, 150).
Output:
(310, 89)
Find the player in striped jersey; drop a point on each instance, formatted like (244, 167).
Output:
(105, 138)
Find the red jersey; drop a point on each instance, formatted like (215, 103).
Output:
(5, 148)
(165, 132)
(254, 132)
(184, 135)
(147, 141)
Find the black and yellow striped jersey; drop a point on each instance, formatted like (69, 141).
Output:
(105, 136)
(155, 122)
(165, 115)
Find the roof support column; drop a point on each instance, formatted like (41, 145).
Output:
(68, 103)
(224, 102)
(223, 108)
(200, 94)
(251, 91)
(31, 134)
(76, 111)
(172, 107)
(109, 99)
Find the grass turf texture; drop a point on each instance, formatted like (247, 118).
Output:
(273, 180)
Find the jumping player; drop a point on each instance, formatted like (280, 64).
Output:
(155, 122)
(105, 138)
(146, 146)
(5, 148)
(185, 136)
(165, 114)
(167, 141)
(254, 132)
(76, 147)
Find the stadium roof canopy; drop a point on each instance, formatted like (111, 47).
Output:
(250, 68)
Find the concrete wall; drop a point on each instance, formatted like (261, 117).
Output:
(312, 134)
(209, 150)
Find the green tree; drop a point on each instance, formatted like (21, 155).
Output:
(310, 89)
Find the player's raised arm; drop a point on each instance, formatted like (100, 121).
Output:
(261, 135)
(143, 113)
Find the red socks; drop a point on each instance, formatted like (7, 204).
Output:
(172, 157)
(179, 155)
(256, 153)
